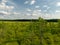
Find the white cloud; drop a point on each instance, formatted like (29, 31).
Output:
(51, 16)
(4, 13)
(28, 14)
(56, 15)
(26, 2)
(58, 11)
(45, 6)
(48, 8)
(16, 13)
(47, 16)
(10, 7)
(58, 4)
(45, 10)
(29, 10)
(37, 6)
(39, 10)
(36, 13)
(32, 2)
(3, 6)
(6, 9)
(4, 0)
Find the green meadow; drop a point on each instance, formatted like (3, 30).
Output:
(38, 32)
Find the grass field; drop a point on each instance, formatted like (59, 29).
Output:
(29, 33)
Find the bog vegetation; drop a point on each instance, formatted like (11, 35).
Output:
(30, 33)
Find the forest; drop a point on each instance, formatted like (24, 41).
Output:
(38, 32)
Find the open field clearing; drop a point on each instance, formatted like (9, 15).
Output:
(29, 33)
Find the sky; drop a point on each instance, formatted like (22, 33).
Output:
(29, 9)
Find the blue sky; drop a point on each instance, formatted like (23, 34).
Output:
(28, 9)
